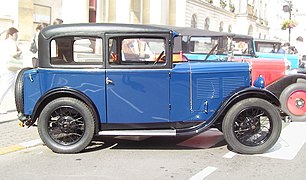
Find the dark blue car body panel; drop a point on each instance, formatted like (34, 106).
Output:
(188, 92)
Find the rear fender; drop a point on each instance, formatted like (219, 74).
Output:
(62, 92)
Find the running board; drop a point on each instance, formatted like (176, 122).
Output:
(138, 133)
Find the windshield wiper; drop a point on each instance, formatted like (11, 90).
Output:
(211, 51)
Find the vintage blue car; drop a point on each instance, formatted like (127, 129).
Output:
(119, 79)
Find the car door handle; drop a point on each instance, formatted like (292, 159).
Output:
(109, 81)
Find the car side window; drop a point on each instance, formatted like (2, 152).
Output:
(137, 51)
(76, 51)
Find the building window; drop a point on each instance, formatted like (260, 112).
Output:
(136, 11)
(229, 28)
(250, 31)
(92, 11)
(42, 14)
(221, 27)
(207, 22)
(194, 21)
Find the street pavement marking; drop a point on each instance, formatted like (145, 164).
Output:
(292, 139)
(204, 140)
(229, 155)
(204, 173)
(20, 146)
(11, 148)
(31, 143)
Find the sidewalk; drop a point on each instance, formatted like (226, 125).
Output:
(13, 137)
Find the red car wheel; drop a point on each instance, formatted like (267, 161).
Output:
(293, 101)
(296, 103)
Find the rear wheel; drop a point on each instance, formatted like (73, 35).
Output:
(66, 125)
(252, 126)
(293, 100)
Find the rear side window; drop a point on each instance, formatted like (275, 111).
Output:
(76, 51)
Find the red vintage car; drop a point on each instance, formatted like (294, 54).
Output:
(290, 88)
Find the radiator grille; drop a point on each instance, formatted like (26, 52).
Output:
(208, 88)
(230, 84)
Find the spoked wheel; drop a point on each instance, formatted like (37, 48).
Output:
(293, 100)
(252, 126)
(66, 125)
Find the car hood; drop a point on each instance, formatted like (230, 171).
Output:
(212, 67)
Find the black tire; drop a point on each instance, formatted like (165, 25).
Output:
(18, 92)
(66, 125)
(293, 101)
(252, 126)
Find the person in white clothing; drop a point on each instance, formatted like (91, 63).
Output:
(9, 49)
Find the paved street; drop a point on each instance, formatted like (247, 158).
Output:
(203, 156)
(11, 134)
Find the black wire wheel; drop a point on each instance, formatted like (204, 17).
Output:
(66, 125)
(252, 126)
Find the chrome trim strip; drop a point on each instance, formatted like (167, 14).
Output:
(138, 133)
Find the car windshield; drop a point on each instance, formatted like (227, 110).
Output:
(267, 47)
(203, 45)
(241, 46)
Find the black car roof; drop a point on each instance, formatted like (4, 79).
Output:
(196, 32)
(189, 31)
(98, 28)
(242, 36)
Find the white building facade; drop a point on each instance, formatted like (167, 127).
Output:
(258, 18)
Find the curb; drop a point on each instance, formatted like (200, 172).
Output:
(20, 146)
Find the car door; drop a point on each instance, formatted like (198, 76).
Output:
(137, 80)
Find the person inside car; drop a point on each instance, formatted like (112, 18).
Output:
(284, 49)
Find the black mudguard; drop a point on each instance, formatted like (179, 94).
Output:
(278, 86)
(62, 92)
(250, 92)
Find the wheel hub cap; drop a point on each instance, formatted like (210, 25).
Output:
(67, 124)
(296, 103)
(299, 103)
(251, 124)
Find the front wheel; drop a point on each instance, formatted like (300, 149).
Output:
(66, 125)
(293, 100)
(252, 126)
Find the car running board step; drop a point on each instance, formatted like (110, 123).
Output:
(166, 132)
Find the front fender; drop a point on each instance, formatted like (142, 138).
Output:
(254, 93)
(61, 92)
(278, 86)
(251, 92)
